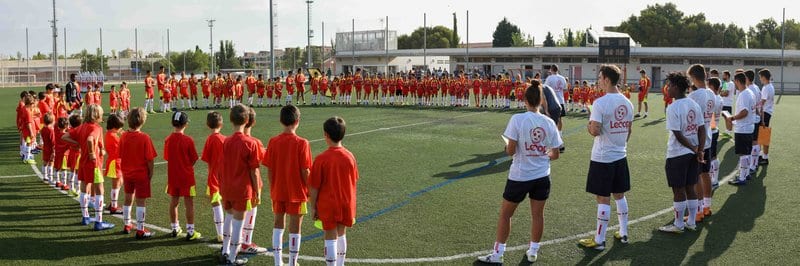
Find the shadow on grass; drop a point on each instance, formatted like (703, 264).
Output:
(487, 165)
(653, 122)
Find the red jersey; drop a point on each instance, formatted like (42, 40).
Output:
(44, 108)
(335, 175)
(161, 79)
(206, 84)
(136, 150)
(81, 134)
(111, 142)
(286, 155)
(48, 143)
(180, 154)
(240, 157)
(251, 84)
(212, 155)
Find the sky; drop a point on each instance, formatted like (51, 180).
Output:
(246, 22)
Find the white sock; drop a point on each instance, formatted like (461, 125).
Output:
(622, 215)
(236, 235)
(744, 166)
(190, 229)
(714, 171)
(692, 205)
(603, 215)
(176, 225)
(226, 234)
(680, 209)
(44, 172)
(84, 201)
(126, 215)
(249, 225)
(341, 250)
(277, 245)
(534, 247)
(754, 156)
(114, 195)
(294, 248)
(499, 249)
(218, 218)
(707, 203)
(765, 156)
(140, 216)
(98, 208)
(330, 252)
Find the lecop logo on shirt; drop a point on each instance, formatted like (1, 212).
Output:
(537, 136)
(691, 127)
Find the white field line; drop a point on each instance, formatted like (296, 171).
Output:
(385, 128)
(724, 180)
(15, 176)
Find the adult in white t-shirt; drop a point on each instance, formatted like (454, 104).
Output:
(610, 124)
(757, 116)
(559, 84)
(532, 142)
(687, 134)
(767, 99)
(743, 127)
(706, 99)
(727, 92)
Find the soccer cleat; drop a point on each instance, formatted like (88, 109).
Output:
(671, 228)
(645, 115)
(193, 236)
(72, 193)
(715, 186)
(30, 161)
(763, 161)
(99, 226)
(143, 234)
(737, 182)
(58, 184)
(590, 243)
(622, 238)
(491, 258)
(64, 187)
(252, 249)
(706, 211)
(126, 229)
(176, 232)
(532, 256)
(114, 210)
(691, 227)
(749, 176)
(637, 116)
(86, 221)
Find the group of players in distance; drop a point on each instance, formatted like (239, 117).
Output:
(691, 166)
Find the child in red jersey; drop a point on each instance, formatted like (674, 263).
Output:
(61, 152)
(250, 216)
(333, 191)
(137, 151)
(48, 147)
(238, 183)
(288, 159)
(212, 155)
(113, 100)
(180, 154)
(113, 162)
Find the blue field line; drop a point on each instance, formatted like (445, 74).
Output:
(436, 186)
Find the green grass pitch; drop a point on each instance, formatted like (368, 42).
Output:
(430, 190)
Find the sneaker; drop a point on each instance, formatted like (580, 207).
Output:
(99, 226)
(645, 115)
(622, 238)
(58, 184)
(715, 186)
(64, 187)
(737, 182)
(691, 227)
(193, 236)
(252, 249)
(72, 193)
(637, 116)
(671, 228)
(706, 211)
(532, 256)
(763, 161)
(749, 176)
(126, 229)
(562, 149)
(143, 234)
(236, 261)
(114, 210)
(491, 258)
(590, 243)
(176, 232)
(86, 221)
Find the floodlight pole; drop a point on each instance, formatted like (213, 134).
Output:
(353, 47)
(386, 47)
(28, 58)
(101, 50)
(783, 49)
(466, 65)
(136, 46)
(55, 45)
(308, 25)
(271, 40)
(65, 54)
(322, 49)
(425, 43)
(169, 66)
(211, 41)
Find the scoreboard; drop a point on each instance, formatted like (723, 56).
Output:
(614, 49)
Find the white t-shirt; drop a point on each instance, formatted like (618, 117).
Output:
(615, 113)
(535, 134)
(768, 93)
(756, 95)
(706, 99)
(717, 112)
(559, 84)
(731, 88)
(683, 115)
(745, 101)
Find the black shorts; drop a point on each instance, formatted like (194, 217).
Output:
(743, 143)
(767, 117)
(537, 189)
(682, 170)
(728, 108)
(706, 167)
(398, 92)
(554, 114)
(755, 131)
(714, 142)
(563, 111)
(606, 178)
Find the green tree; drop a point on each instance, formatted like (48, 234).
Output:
(226, 57)
(40, 56)
(548, 40)
(666, 26)
(503, 35)
(90, 62)
(454, 40)
(438, 37)
(521, 41)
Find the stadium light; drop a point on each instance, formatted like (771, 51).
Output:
(211, 41)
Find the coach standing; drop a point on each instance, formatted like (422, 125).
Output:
(559, 84)
(73, 93)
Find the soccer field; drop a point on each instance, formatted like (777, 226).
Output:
(430, 190)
